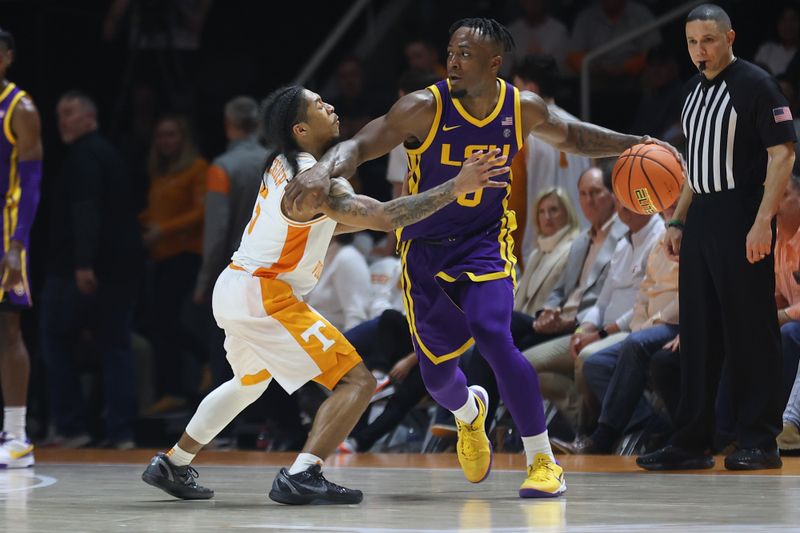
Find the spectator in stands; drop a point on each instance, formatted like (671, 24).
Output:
(544, 166)
(618, 375)
(556, 227)
(775, 56)
(559, 362)
(232, 184)
(94, 259)
(343, 292)
(615, 74)
(423, 57)
(659, 110)
(787, 264)
(173, 234)
(384, 342)
(538, 33)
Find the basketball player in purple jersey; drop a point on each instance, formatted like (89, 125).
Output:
(20, 176)
(458, 265)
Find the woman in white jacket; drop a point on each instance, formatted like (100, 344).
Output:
(556, 228)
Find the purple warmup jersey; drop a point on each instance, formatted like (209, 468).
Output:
(11, 190)
(453, 137)
(466, 242)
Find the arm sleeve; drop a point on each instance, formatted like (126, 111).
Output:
(30, 179)
(351, 283)
(773, 117)
(85, 174)
(215, 227)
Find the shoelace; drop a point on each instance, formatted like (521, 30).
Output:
(470, 441)
(542, 470)
(190, 475)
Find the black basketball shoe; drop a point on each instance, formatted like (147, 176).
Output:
(178, 481)
(310, 487)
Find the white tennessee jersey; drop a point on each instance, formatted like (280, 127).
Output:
(276, 247)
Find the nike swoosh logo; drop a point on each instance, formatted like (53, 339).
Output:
(448, 128)
(20, 454)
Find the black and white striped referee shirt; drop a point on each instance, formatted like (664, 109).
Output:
(729, 122)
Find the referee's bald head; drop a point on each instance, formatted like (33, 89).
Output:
(710, 12)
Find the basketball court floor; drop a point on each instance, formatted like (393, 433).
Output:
(101, 491)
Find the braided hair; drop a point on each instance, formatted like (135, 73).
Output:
(489, 28)
(280, 111)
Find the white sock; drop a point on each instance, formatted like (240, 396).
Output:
(537, 444)
(179, 456)
(14, 421)
(469, 411)
(303, 462)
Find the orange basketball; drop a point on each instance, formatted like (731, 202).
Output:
(647, 178)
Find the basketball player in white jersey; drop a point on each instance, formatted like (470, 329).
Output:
(258, 301)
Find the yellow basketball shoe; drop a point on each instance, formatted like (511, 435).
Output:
(545, 479)
(473, 447)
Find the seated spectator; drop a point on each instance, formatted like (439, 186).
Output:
(775, 55)
(556, 227)
(384, 342)
(544, 166)
(94, 261)
(343, 292)
(787, 264)
(539, 33)
(173, 234)
(559, 361)
(617, 375)
(577, 287)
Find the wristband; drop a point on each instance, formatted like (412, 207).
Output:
(676, 223)
(602, 333)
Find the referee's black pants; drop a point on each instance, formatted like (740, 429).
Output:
(727, 311)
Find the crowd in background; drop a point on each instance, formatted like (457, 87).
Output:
(140, 217)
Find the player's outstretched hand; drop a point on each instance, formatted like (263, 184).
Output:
(477, 171)
(308, 190)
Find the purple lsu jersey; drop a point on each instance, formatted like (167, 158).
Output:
(467, 242)
(453, 137)
(11, 190)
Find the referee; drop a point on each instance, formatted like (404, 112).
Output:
(740, 150)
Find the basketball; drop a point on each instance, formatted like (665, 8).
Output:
(647, 178)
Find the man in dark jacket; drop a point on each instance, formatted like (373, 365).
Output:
(93, 260)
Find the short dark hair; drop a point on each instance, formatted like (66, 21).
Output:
(7, 38)
(82, 97)
(539, 69)
(710, 12)
(489, 28)
(414, 80)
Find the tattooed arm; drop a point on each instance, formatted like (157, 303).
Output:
(569, 135)
(357, 211)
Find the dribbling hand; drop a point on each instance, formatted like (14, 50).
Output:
(672, 243)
